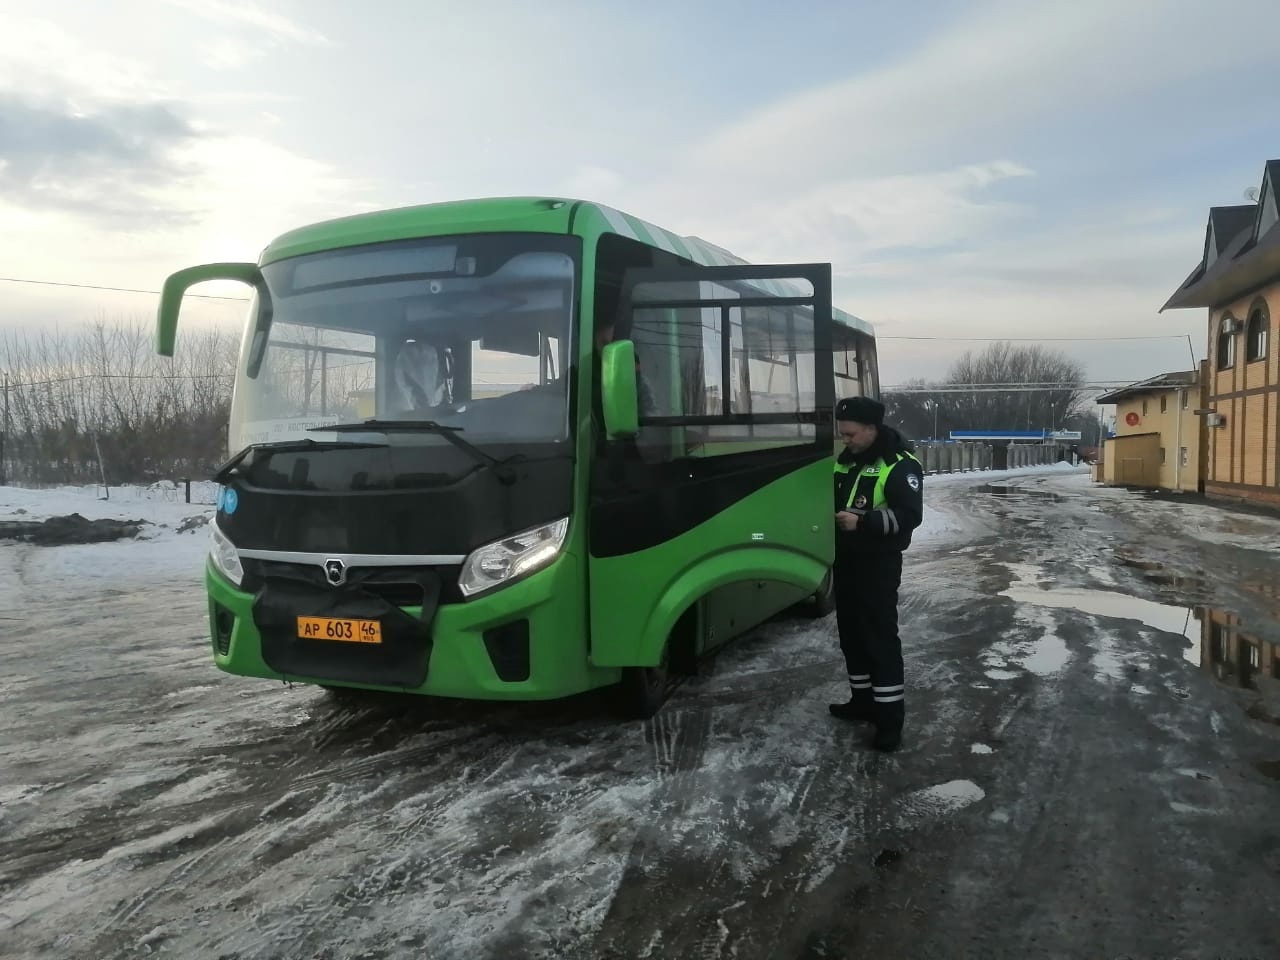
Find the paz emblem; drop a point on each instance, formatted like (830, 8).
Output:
(335, 571)
(913, 481)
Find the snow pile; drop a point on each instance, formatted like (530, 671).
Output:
(158, 503)
(1048, 469)
(170, 545)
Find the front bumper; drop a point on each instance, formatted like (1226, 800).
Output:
(524, 641)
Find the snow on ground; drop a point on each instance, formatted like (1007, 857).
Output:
(160, 552)
(974, 476)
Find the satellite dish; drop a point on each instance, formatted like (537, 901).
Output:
(1251, 194)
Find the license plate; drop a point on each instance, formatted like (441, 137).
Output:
(346, 631)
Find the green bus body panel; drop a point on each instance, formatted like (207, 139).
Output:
(460, 666)
(513, 214)
(637, 598)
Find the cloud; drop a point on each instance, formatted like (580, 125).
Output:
(39, 55)
(228, 54)
(250, 15)
(1009, 87)
(249, 190)
(851, 220)
(1003, 71)
(103, 163)
(127, 181)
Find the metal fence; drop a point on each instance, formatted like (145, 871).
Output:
(965, 457)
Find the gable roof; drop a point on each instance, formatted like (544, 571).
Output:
(1225, 224)
(1156, 384)
(1236, 259)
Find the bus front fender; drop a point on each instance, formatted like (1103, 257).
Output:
(736, 565)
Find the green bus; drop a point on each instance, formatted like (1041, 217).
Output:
(518, 449)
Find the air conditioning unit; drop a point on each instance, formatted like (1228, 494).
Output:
(1214, 420)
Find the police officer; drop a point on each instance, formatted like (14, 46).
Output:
(879, 501)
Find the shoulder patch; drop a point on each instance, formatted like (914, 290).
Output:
(913, 481)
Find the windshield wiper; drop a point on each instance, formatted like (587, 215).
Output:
(223, 473)
(501, 467)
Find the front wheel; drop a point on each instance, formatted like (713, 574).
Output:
(823, 601)
(643, 690)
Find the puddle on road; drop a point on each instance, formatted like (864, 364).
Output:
(1217, 640)
(1012, 490)
(1105, 603)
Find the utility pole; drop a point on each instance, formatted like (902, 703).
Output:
(4, 434)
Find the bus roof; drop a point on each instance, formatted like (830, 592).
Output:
(534, 214)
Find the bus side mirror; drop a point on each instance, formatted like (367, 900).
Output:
(618, 393)
(176, 285)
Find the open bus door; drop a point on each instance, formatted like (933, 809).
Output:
(711, 486)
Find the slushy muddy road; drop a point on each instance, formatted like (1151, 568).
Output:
(1089, 770)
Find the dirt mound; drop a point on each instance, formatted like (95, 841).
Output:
(59, 531)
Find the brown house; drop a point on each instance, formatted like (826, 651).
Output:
(1238, 281)
(1159, 436)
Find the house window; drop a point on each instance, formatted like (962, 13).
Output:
(1258, 328)
(1227, 343)
(1254, 657)
(1218, 638)
(1184, 457)
(1164, 404)
(1185, 394)
(1162, 457)
(1144, 407)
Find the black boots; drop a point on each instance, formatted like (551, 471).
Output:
(888, 718)
(887, 739)
(855, 709)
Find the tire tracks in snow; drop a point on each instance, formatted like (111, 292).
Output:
(242, 823)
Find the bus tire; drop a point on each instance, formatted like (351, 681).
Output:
(347, 696)
(643, 690)
(823, 602)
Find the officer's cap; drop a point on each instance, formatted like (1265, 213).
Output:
(861, 410)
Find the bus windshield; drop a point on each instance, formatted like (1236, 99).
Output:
(470, 331)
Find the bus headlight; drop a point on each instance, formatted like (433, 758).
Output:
(224, 556)
(497, 563)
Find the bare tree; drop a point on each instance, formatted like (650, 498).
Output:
(918, 411)
(99, 400)
(1051, 388)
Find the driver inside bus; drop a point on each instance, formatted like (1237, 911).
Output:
(418, 381)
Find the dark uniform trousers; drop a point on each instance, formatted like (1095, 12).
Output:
(866, 589)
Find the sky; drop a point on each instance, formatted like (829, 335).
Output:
(970, 169)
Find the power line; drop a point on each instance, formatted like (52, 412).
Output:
(94, 286)
(1165, 336)
(122, 376)
(1021, 388)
